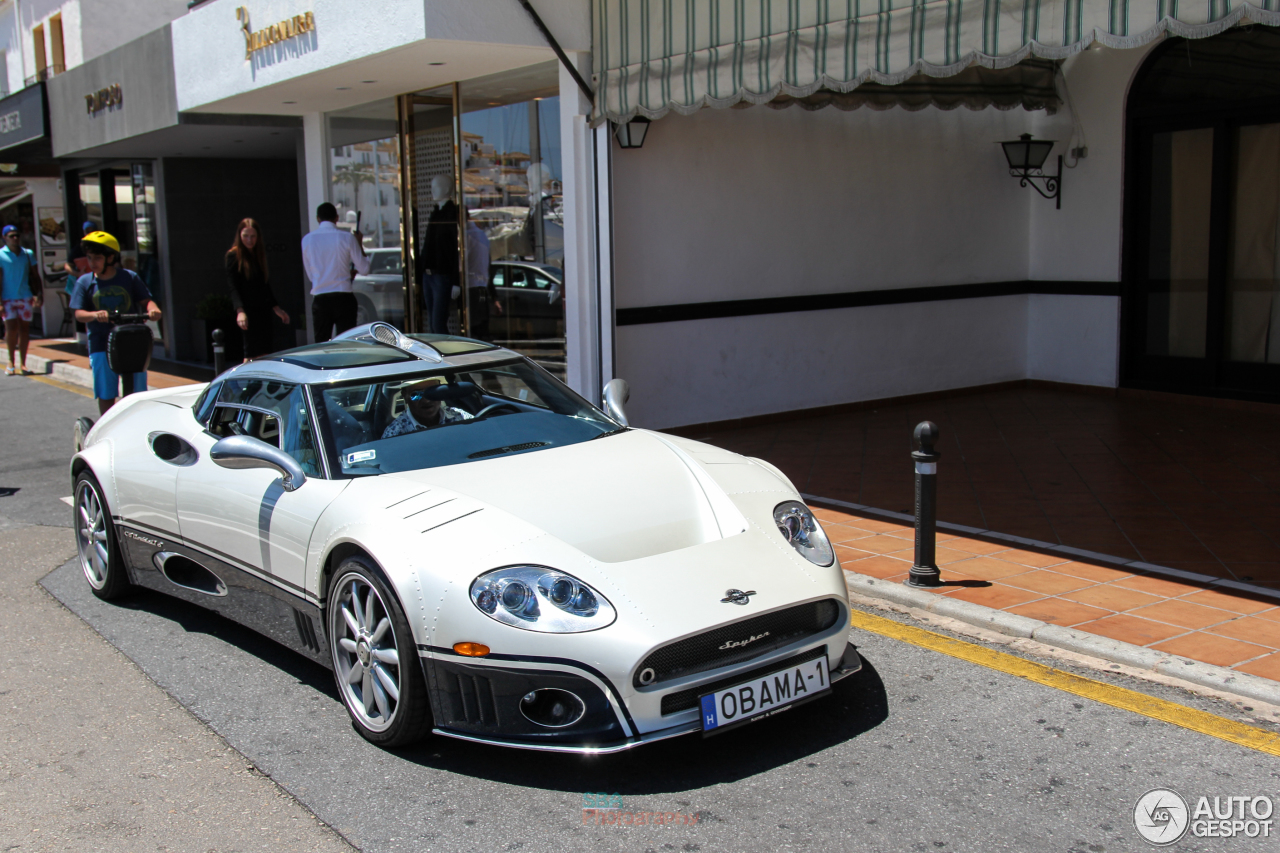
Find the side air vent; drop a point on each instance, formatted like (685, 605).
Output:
(189, 574)
(306, 630)
(496, 451)
(472, 699)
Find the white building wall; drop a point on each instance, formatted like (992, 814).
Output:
(693, 372)
(757, 203)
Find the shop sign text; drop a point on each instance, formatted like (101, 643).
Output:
(105, 98)
(274, 34)
(10, 122)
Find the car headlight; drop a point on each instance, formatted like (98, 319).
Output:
(536, 598)
(801, 529)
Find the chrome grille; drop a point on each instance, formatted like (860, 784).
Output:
(706, 651)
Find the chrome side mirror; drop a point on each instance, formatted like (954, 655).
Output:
(243, 451)
(616, 394)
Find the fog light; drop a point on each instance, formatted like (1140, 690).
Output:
(552, 708)
(647, 675)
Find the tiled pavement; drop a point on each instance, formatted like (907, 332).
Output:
(1191, 487)
(1187, 486)
(1225, 628)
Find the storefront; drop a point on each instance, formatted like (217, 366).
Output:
(811, 221)
(444, 134)
(30, 195)
(171, 188)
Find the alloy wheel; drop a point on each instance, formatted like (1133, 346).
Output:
(91, 536)
(365, 652)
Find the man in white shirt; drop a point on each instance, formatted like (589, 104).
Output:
(328, 256)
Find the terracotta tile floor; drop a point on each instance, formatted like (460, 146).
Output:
(1221, 627)
(1185, 486)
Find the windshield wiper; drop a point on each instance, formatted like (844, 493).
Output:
(610, 432)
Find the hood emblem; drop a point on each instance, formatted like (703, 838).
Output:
(737, 596)
(733, 644)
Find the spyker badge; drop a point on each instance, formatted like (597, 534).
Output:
(737, 596)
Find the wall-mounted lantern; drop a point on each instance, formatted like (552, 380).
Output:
(631, 134)
(1026, 158)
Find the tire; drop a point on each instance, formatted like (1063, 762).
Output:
(83, 425)
(96, 543)
(375, 660)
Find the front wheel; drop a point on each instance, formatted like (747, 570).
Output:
(375, 660)
(99, 554)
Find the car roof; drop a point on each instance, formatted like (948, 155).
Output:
(347, 359)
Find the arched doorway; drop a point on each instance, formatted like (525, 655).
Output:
(1201, 298)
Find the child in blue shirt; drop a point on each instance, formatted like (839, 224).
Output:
(108, 287)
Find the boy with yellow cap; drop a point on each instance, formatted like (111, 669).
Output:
(108, 287)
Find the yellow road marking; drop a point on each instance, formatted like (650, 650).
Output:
(1108, 694)
(65, 386)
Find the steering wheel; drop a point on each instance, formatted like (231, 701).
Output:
(495, 406)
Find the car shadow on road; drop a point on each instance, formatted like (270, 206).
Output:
(857, 705)
(197, 620)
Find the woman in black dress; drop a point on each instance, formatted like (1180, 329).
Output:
(251, 294)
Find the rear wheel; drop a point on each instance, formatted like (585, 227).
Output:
(99, 554)
(375, 660)
(83, 425)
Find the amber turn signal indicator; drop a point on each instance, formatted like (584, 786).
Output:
(471, 650)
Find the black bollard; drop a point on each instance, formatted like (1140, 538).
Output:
(925, 571)
(219, 353)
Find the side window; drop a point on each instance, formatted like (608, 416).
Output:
(540, 281)
(499, 275)
(273, 412)
(518, 278)
(203, 407)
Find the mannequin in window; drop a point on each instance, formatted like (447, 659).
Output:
(440, 256)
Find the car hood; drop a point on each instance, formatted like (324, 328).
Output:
(623, 497)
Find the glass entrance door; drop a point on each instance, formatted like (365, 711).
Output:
(484, 212)
(1201, 305)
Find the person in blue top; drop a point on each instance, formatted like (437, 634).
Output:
(21, 293)
(108, 287)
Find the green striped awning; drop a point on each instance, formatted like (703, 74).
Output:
(653, 56)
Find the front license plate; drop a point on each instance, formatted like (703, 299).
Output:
(764, 696)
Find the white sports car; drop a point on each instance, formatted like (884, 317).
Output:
(473, 548)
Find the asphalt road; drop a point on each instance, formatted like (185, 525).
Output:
(920, 752)
(36, 440)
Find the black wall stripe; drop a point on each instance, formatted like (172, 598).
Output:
(858, 299)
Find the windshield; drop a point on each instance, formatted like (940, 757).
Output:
(446, 417)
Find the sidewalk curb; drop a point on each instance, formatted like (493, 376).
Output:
(68, 373)
(1206, 675)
